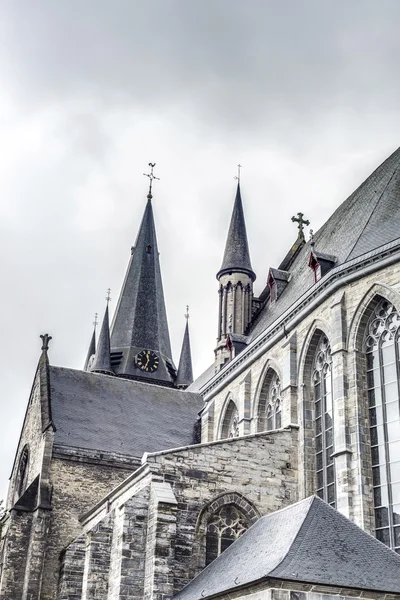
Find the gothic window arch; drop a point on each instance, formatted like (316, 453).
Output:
(323, 421)
(22, 473)
(382, 350)
(230, 422)
(270, 403)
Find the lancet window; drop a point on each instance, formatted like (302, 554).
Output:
(322, 384)
(230, 425)
(270, 404)
(223, 528)
(22, 472)
(383, 354)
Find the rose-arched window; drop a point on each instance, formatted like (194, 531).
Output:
(383, 354)
(223, 528)
(230, 424)
(322, 384)
(270, 404)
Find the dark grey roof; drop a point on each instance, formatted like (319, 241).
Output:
(237, 255)
(102, 412)
(308, 542)
(140, 320)
(279, 274)
(91, 350)
(102, 358)
(185, 370)
(202, 379)
(368, 219)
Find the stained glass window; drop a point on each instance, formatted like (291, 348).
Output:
(382, 352)
(322, 382)
(223, 528)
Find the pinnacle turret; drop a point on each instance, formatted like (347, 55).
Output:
(102, 357)
(91, 350)
(185, 370)
(237, 256)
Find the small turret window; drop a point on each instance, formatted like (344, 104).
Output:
(148, 249)
(22, 474)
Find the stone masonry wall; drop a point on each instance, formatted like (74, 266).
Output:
(291, 358)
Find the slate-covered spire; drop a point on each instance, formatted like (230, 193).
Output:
(185, 370)
(140, 320)
(91, 350)
(237, 256)
(102, 358)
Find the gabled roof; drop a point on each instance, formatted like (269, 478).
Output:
(306, 542)
(111, 414)
(367, 220)
(237, 255)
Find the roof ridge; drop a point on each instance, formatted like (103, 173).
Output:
(373, 210)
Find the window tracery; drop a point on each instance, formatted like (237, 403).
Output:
(270, 403)
(223, 528)
(230, 425)
(383, 354)
(322, 384)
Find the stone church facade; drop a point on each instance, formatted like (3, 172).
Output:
(132, 481)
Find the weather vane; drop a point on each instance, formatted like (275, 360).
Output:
(299, 219)
(96, 321)
(238, 175)
(108, 297)
(187, 313)
(151, 176)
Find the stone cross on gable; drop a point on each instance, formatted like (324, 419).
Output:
(301, 222)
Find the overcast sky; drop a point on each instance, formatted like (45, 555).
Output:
(304, 94)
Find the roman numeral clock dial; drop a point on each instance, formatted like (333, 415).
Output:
(147, 361)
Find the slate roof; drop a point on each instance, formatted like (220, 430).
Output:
(140, 320)
(368, 219)
(185, 369)
(237, 255)
(111, 414)
(306, 542)
(91, 350)
(202, 379)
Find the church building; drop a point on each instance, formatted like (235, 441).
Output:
(273, 476)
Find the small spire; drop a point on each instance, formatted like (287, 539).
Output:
(102, 358)
(301, 222)
(151, 176)
(185, 371)
(237, 255)
(92, 345)
(45, 341)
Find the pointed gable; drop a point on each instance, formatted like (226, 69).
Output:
(307, 542)
(237, 255)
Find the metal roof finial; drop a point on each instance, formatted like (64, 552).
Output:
(299, 219)
(108, 297)
(151, 176)
(237, 177)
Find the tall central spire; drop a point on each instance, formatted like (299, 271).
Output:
(140, 344)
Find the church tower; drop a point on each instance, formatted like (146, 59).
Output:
(236, 278)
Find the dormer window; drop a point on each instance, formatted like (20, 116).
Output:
(273, 290)
(315, 266)
(277, 281)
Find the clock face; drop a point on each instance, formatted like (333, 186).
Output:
(147, 360)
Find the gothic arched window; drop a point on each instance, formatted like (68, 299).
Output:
(270, 404)
(230, 424)
(22, 474)
(383, 354)
(322, 384)
(223, 528)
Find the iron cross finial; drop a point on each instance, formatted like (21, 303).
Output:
(151, 176)
(299, 219)
(187, 312)
(96, 320)
(108, 297)
(238, 175)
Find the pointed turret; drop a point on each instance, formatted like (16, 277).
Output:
(237, 256)
(102, 357)
(140, 322)
(236, 278)
(91, 351)
(185, 370)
